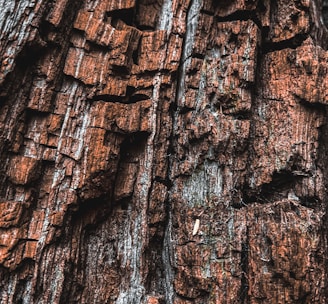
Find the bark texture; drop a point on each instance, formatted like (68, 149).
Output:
(163, 151)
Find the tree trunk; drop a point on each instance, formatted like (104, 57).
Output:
(163, 151)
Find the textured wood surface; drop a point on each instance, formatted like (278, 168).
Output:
(163, 151)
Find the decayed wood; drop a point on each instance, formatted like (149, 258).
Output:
(163, 151)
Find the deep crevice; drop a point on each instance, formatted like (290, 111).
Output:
(108, 98)
(244, 15)
(136, 53)
(119, 70)
(125, 15)
(244, 267)
(275, 190)
(309, 201)
(240, 115)
(128, 99)
(131, 150)
(292, 43)
(315, 106)
(96, 209)
(184, 110)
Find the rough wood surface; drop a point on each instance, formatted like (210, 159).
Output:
(163, 151)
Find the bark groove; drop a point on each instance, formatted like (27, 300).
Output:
(163, 151)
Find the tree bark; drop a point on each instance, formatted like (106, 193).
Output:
(163, 151)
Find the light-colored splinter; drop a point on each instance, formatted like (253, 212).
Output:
(196, 227)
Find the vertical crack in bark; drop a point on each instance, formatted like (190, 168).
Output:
(187, 49)
(136, 290)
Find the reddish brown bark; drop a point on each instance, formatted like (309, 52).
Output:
(163, 151)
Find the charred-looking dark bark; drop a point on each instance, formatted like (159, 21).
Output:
(325, 12)
(163, 151)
